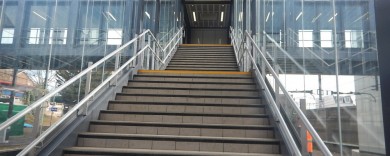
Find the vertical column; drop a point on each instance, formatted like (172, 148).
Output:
(383, 32)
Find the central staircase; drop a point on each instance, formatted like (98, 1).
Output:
(200, 105)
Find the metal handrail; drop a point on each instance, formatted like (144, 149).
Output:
(317, 139)
(318, 46)
(285, 52)
(173, 38)
(46, 133)
(39, 102)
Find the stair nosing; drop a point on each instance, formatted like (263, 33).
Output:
(198, 89)
(187, 114)
(195, 76)
(194, 82)
(186, 103)
(120, 151)
(191, 96)
(180, 138)
(185, 125)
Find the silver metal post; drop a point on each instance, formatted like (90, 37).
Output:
(153, 57)
(84, 110)
(135, 49)
(148, 54)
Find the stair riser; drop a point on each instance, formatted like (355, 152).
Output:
(192, 79)
(204, 66)
(204, 57)
(178, 145)
(213, 100)
(155, 91)
(181, 85)
(184, 119)
(197, 63)
(204, 69)
(186, 109)
(197, 75)
(121, 129)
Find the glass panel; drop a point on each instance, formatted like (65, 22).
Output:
(305, 38)
(7, 36)
(326, 38)
(325, 53)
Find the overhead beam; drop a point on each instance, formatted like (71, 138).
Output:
(207, 2)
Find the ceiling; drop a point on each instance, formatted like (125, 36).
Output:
(208, 14)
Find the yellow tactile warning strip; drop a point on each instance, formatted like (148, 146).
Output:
(194, 72)
(206, 45)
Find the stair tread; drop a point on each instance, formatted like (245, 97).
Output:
(193, 82)
(196, 76)
(202, 69)
(186, 103)
(198, 89)
(180, 137)
(105, 151)
(230, 126)
(190, 95)
(187, 114)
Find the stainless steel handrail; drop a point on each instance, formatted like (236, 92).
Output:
(173, 38)
(39, 102)
(52, 128)
(285, 53)
(317, 139)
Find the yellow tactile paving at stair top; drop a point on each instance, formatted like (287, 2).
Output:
(206, 45)
(194, 72)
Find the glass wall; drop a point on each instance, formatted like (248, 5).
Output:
(46, 42)
(333, 65)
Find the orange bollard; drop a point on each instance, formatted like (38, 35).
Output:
(309, 140)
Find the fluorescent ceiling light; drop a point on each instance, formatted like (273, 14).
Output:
(315, 18)
(266, 20)
(193, 14)
(361, 17)
(222, 16)
(111, 16)
(332, 17)
(300, 14)
(39, 15)
(147, 14)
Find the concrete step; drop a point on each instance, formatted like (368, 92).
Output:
(189, 98)
(202, 69)
(205, 48)
(201, 53)
(186, 107)
(187, 143)
(194, 79)
(194, 75)
(202, 66)
(181, 129)
(88, 151)
(216, 58)
(199, 118)
(203, 85)
(188, 91)
(202, 63)
(179, 54)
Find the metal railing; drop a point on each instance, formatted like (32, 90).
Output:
(143, 58)
(254, 55)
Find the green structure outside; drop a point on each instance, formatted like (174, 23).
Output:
(17, 127)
